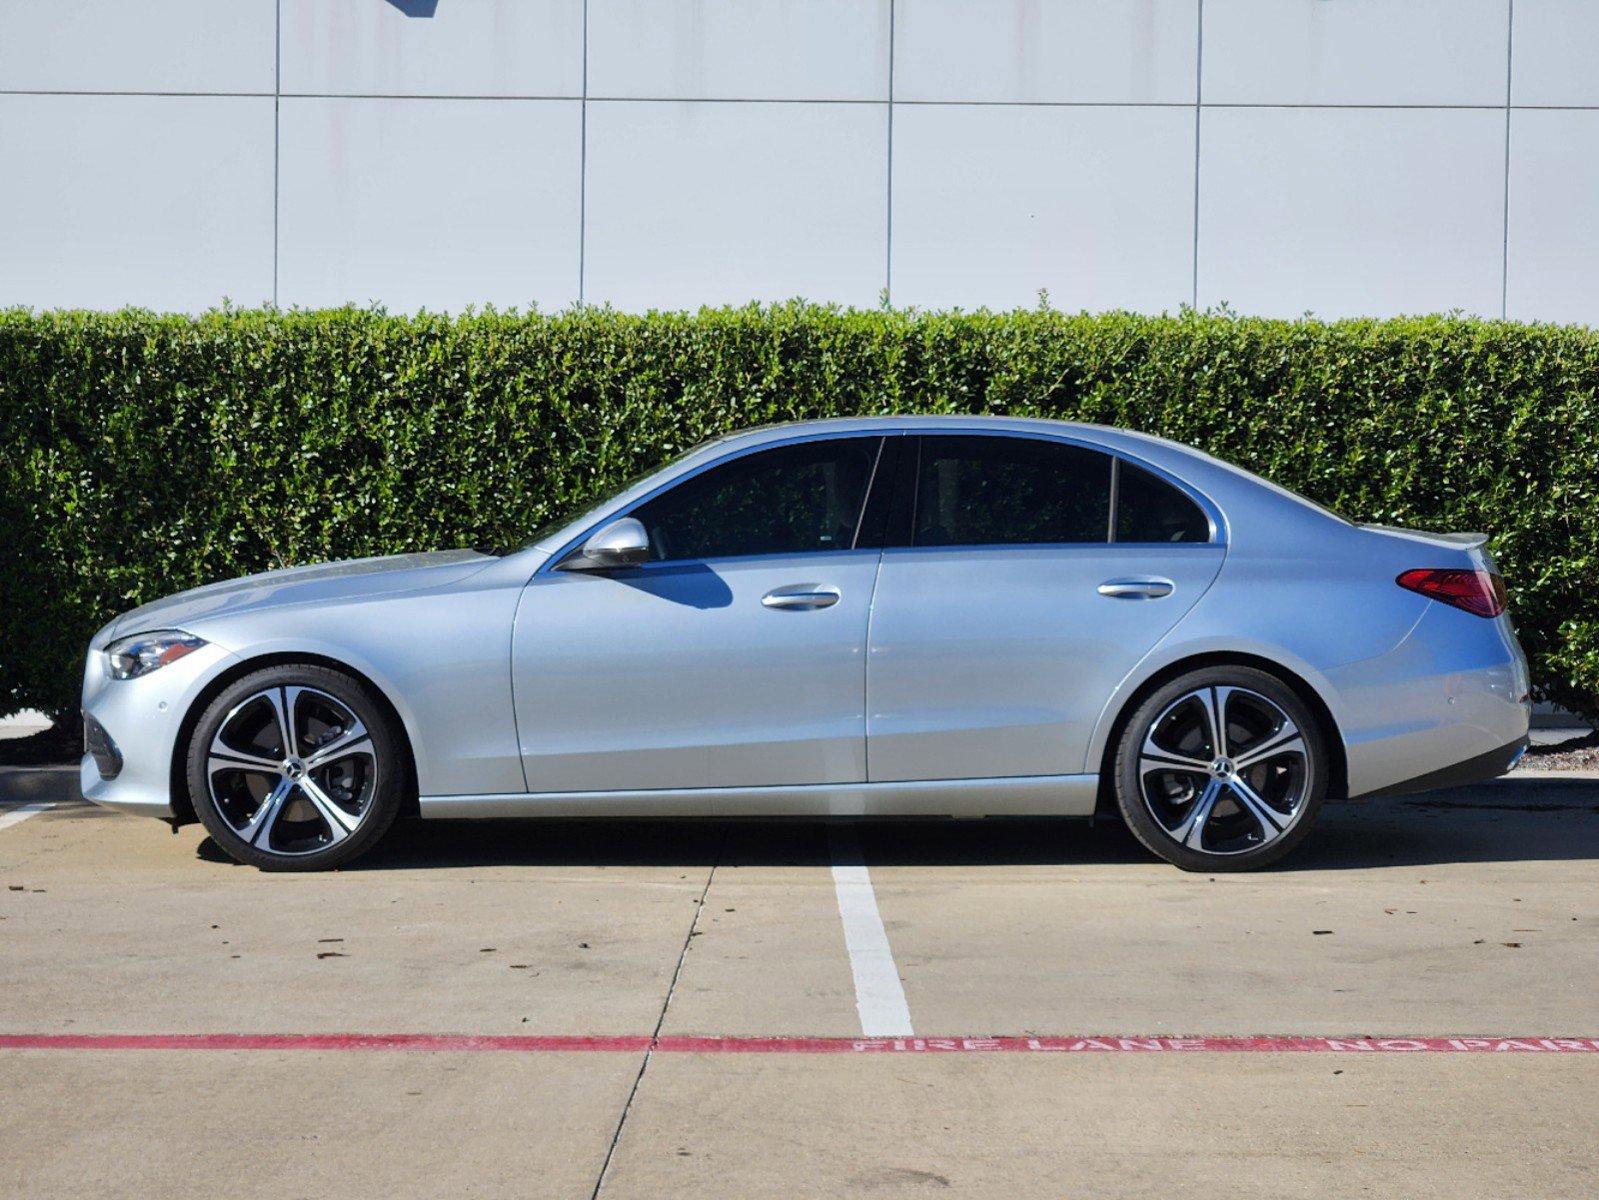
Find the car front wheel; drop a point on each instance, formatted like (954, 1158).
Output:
(296, 768)
(1222, 769)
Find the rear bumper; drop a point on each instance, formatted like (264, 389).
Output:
(1448, 705)
(1480, 769)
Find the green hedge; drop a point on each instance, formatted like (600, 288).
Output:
(146, 453)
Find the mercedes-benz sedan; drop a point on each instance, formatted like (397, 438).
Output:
(876, 617)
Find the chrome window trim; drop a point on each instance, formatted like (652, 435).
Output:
(680, 564)
(1212, 512)
(1145, 546)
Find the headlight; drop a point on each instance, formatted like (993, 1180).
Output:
(141, 653)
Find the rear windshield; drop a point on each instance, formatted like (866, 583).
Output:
(1304, 499)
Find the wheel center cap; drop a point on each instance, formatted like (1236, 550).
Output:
(1222, 768)
(293, 768)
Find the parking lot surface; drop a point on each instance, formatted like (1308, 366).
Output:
(1026, 1008)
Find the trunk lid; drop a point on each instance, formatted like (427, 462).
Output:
(1452, 541)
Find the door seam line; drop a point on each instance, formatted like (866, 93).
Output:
(866, 673)
(510, 671)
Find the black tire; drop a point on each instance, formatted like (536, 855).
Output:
(1231, 834)
(298, 834)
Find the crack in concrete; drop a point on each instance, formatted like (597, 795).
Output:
(660, 1020)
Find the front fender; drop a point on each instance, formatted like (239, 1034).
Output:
(441, 659)
(275, 650)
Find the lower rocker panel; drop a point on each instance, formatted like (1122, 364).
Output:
(1023, 795)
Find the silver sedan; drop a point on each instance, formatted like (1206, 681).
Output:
(874, 617)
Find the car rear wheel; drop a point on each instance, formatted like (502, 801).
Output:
(296, 768)
(1222, 769)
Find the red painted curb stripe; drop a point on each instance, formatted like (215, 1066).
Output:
(566, 1044)
(314, 1041)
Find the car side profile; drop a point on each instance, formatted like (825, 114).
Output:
(896, 616)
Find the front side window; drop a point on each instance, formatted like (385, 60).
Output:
(800, 499)
(988, 491)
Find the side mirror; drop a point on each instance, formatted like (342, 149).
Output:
(620, 544)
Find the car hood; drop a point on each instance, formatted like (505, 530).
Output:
(319, 583)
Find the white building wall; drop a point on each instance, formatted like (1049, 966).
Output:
(1280, 156)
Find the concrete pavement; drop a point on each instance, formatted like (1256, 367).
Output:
(1455, 914)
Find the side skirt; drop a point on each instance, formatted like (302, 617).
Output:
(1023, 795)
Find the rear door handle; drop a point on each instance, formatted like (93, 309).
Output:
(802, 596)
(1136, 589)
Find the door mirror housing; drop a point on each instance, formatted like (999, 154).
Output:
(622, 543)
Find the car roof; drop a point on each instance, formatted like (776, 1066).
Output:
(1161, 451)
(1234, 494)
(1188, 463)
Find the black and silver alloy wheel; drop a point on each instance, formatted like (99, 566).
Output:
(291, 770)
(294, 768)
(1223, 769)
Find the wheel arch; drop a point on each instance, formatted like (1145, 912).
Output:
(178, 785)
(1338, 780)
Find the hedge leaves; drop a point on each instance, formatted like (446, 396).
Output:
(147, 453)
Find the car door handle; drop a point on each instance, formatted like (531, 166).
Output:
(1136, 589)
(802, 596)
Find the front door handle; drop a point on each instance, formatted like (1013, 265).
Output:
(802, 596)
(1136, 589)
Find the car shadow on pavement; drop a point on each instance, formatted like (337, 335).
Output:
(1510, 820)
(1515, 819)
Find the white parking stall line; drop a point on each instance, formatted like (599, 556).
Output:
(12, 816)
(879, 996)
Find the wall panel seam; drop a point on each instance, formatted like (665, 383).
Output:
(1199, 112)
(1504, 260)
(277, 138)
(583, 168)
(888, 233)
(596, 99)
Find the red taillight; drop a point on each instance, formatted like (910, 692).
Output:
(1481, 593)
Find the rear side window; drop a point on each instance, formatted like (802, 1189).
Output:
(987, 491)
(800, 499)
(1151, 510)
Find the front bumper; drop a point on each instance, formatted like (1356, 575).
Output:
(97, 744)
(140, 719)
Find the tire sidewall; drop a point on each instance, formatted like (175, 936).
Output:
(1129, 790)
(385, 802)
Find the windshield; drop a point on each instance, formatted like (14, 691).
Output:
(578, 511)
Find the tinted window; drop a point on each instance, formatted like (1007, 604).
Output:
(572, 514)
(974, 491)
(792, 500)
(1151, 510)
